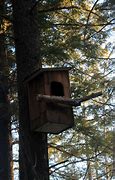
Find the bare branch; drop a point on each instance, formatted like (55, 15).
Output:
(104, 26)
(79, 24)
(54, 165)
(88, 19)
(58, 9)
(91, 12)
(67, 101)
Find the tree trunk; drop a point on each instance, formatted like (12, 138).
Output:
(33, 146)
(5, 149)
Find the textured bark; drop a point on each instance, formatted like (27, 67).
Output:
(33, 146)
(5, 153)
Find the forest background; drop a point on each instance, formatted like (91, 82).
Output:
(75, 34)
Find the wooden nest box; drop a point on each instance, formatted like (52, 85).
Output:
(49, 117)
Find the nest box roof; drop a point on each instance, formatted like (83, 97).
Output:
(43, 70)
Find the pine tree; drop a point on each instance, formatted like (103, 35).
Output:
(64, 33)
(5, 137)
(33, 146)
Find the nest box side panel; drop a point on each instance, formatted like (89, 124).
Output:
(36, 108)
(57, 80)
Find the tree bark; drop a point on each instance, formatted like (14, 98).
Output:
(5, 149)
(33, 146)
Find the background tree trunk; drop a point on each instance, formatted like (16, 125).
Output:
(5, 143)
(33, 146)
(5, 148)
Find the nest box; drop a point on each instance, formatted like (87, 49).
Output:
(49, 117)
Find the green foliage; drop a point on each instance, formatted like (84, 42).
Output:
(79, 35)
(75, 37)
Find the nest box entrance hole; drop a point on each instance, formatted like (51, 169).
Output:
(57, 88)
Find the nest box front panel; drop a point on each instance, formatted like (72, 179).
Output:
(44, 116)
(59, 116)
(57, 83)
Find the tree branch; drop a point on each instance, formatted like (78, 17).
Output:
(67, 101)
(88, 19)
(104, 26)
(79, 24)
(91, 12)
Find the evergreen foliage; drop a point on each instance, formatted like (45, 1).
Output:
(74, 33)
